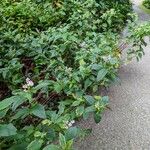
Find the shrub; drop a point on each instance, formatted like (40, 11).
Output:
(54, 56)
(146, 3)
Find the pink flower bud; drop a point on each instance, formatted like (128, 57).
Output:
(29, 82)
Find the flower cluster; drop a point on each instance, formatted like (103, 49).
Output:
(69, 124)
(29, 83)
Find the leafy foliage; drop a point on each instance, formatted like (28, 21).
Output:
(54, 54)
(135, 38)
(146, 3)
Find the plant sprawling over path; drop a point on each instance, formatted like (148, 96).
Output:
(54, 54)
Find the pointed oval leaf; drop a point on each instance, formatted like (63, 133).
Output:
(35, 145)
(101, 74)
(71, 133)
(39, 111)
(80, 110)
(89, 99)
(7, 130)
(8, 101)
(62, 140)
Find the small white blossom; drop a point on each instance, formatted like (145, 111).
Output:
(69, 124)
(25, 86)
(29, 82)
(83, 44)
(72, 121)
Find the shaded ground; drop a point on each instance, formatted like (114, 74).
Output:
(127, 125)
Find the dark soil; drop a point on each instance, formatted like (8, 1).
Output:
(4, 90)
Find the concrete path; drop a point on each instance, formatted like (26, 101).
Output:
(127, 125)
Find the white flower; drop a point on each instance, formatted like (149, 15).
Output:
(29, 82)
(83, 44)
(25, 86)
(70, 123)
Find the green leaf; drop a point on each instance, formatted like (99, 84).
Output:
(54, 116)
(39, 111)
(87, 83)
(96, 66)
(43, 84)
(97, 117)
(62, 140)
(69, 145)
(89, 99)
(7, 130)
(61, 108)
(21, 146)
(17, 103)
(21, 113)
(8, 101)
(51, 147)
(71, 133)
(26, 95)
(95, 88)
(3, 113)
(80, 110)
(76, 103)
(50, 133)
(35, 145)
(87, 111)
(105, 100)
(57, 87)
(101, 74)
(5, 72)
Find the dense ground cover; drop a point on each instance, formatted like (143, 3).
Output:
(146, 3)
(53, 57)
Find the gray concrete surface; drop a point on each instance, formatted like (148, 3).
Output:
(127, 125)
(142, 15)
